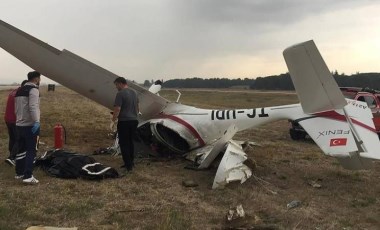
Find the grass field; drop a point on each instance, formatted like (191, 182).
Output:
(153, 196)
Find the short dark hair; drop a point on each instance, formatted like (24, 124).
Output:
(24, 82)
(120, 80)
(33, 74)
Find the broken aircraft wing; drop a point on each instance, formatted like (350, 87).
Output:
(72, 71)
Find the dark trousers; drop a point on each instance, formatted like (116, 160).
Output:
(24, 159)
(12, 144)
(126, 131)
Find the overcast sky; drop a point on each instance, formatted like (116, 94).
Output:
(166, 39)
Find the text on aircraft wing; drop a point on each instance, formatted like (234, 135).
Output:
(73, 71)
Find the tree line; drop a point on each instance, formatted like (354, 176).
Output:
(208, 83)
(274, 82)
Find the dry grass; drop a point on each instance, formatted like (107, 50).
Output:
(153, 197)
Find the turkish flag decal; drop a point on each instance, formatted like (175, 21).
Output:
(338, 142)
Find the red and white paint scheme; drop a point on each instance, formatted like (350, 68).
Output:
(341, 128)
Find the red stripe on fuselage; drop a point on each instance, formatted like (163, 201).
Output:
(336, 116)
(187, 125)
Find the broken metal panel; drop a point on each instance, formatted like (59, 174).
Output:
(247, 144)
(155, 88)
(219, 145)
(195, 154)
(231, 167)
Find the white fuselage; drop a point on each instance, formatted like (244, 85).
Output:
(203, 126)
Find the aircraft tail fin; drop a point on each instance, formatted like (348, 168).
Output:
(315, 86)
(341, 128)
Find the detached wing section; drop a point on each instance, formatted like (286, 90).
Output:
(73, 71)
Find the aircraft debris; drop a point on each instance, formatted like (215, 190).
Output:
(189, 183)
(104, 151)
(247, 145)
(207, 158)
(236, 218)
(232, 167)
(156, 87)
(314, 184)
(235, 213)
(293, 204)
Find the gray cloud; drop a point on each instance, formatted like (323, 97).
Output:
(174, 38)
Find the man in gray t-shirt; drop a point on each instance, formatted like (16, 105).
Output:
(127, 100)
(126, 109)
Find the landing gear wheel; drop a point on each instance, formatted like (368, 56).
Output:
(296, 135)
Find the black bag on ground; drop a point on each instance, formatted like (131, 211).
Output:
(63, 164)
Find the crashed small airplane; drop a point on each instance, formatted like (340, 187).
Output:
(341, 127)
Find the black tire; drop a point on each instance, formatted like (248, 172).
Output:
(297, 135)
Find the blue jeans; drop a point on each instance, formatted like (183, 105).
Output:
(27, 141)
